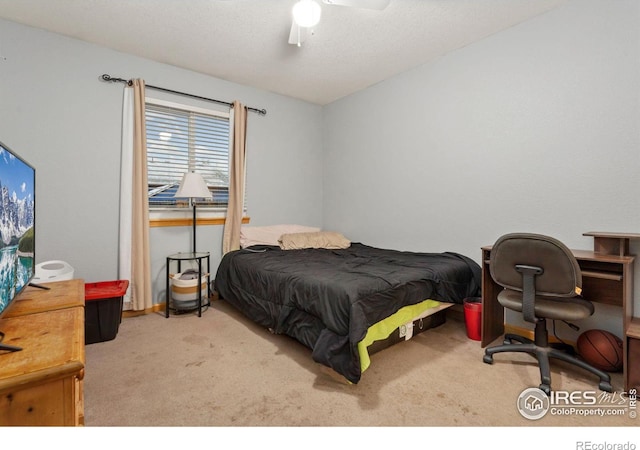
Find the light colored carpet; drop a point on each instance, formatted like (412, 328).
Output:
(221, 370)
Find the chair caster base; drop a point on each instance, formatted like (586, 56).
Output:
(605, 386)
(488, 359)
(545, 388)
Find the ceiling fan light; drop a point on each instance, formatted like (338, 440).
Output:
(306, 13)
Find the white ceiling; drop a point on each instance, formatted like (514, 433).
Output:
(245, 41)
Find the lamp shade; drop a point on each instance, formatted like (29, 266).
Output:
(193, 186)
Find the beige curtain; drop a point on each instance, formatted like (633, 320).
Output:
(141, 296)
(233, 221)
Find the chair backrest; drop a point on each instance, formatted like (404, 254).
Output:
(561, 276)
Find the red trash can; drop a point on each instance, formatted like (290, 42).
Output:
(473, 317)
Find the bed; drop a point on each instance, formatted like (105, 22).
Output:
(339, 299)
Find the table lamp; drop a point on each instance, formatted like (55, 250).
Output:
(193, 186)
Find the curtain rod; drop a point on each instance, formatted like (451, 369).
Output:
(106, 77)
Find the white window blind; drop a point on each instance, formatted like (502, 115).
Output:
(182, 139)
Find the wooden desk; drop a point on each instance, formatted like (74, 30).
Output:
(41, 385)
(605, 279)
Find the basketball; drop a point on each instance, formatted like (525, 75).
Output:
(601, 349)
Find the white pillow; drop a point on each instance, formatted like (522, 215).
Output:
(269, 235)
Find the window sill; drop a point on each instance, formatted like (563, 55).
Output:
(168, 218)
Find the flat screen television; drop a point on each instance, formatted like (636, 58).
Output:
(17, 229)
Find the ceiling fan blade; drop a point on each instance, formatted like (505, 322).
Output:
(298, 34)
(366, 4)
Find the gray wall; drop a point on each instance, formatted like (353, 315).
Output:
(532, 129)
(57, 115)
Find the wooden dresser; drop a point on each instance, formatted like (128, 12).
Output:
(41, 385)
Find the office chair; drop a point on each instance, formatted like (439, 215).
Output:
(541, 278)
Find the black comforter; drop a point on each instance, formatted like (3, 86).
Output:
(327, 299)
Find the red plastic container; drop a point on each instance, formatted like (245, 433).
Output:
(103, 310)
(473, 317)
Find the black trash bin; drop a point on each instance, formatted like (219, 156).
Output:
(103, 310)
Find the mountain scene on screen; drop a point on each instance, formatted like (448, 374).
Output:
(17, 242)
(16, 221)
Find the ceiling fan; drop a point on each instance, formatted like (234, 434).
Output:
(306, 15)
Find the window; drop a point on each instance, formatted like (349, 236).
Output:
(181, 139)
